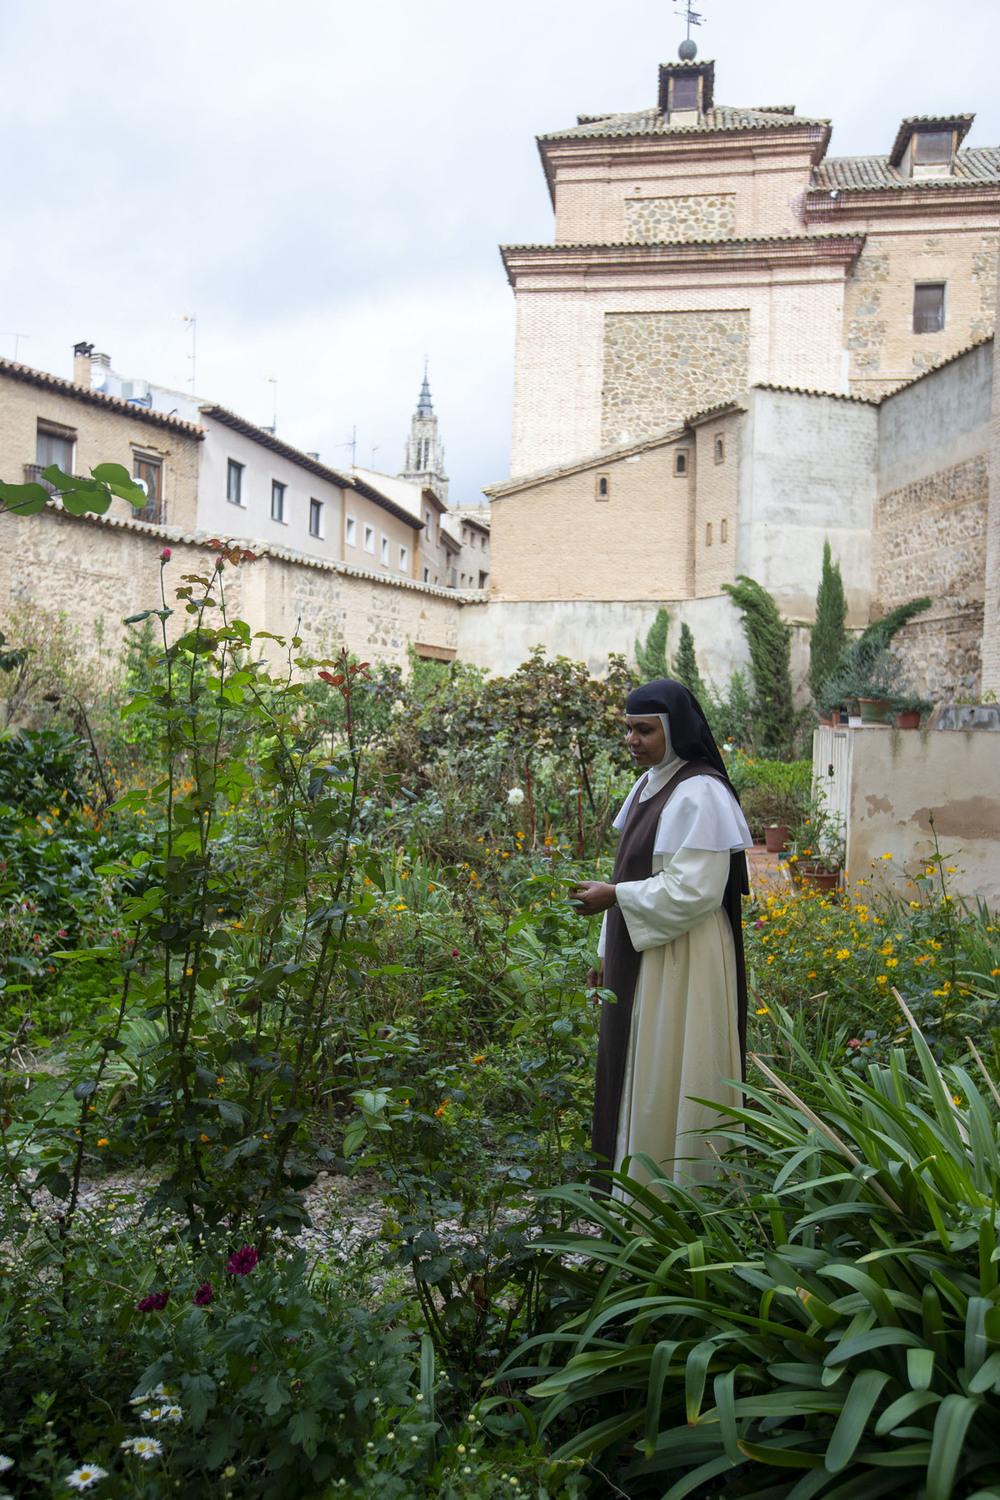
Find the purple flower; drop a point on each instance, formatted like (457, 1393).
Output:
(155, 1302)
(242, 1262)
(203, 1295)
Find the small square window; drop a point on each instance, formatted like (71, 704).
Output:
(928, 306)
(724, 531)
(684, 91)
(234, 482)
(316, 518)
(603, 489)
(932, 146)
(681, 461)
(427, 575)
(370, 540)
(404, 559)
(708, 533)
(277, 500)
(720, 448)
(350, 531)
(384, 552)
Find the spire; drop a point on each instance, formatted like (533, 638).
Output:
(424, 407)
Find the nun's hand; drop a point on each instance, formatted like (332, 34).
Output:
(591, 897)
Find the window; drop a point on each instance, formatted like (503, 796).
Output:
(681, 461)
(427, 575)
(603, 490)
(483, 579)
(384, 552)
(684, 92)
(932, 146)
(149, 472)
(54, 445)
(316, 519)
(928, 306)
(708, 533)
(234, 482)
(720, 448)
(724, 531)
(404, 559)
(277, 500)
(350, 531)
(370, 540)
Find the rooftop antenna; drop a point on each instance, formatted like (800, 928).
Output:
(17, 337)
(688, 49)
(273, 429)
(193, 356)
(352, 443)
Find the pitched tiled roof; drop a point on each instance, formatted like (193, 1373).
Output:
(97, 398)
(874, 173)
(652, 122)
(801, 390)
(912, 123)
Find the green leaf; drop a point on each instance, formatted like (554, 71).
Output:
(84, 1088)
(80, 502)
(866, 1387)
(114, 474)
(658, 1367)
(950, 1426)
(902, 1409)
(987, 1376)
(876, 1338)
(781, 1458)
(24, 499)
(232, 1113)
(695, 1372)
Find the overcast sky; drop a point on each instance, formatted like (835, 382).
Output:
(325, 184)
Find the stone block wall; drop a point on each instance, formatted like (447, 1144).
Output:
(693, 216)
(884, 350)
(102, 568)
(929, 537)
(661, 367)
(991, 612)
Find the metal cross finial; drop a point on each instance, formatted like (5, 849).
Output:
(685, 9)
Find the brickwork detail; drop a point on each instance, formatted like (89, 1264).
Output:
(929, 538)
(984, 279)
(710, 216)
(662, 367)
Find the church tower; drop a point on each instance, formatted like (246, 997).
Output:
(424, 460)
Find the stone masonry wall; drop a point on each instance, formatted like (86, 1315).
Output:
(95, 568)
(662, 367)
(929, 538)
(991, 614)
(878, 311)
(709, 216)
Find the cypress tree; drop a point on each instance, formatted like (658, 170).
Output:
(828, 636)
(770, 641)
(686, 665)
(652, 658)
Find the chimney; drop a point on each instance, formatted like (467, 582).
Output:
(82, 354)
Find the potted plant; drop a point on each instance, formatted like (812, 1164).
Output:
(867, 680)
(818, 848)
(908, 708)
(776, 837)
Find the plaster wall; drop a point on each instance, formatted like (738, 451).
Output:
(715, 528)
(895, 781)
(807, 473)
(937, 422)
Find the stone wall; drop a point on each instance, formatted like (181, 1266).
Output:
(701, 216)
(661, 367)
(883, 348)
(106, 568)
(929, 538)
(991, 613)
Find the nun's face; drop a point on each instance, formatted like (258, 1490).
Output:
(645, 739)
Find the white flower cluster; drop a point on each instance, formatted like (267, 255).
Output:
(161, 1414)
(515, 797)
(143, 1447)
(86, 1475)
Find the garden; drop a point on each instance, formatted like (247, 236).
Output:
(296, 1069)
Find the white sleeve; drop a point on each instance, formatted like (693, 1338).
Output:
(684, 893)
(602, 939)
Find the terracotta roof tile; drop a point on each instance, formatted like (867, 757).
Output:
(875, 174)
(652, 122)
(76, 392)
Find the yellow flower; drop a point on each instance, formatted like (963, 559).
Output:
(956, 1098)
(763, 1011)
(843, 953)
(479, 1058)
(891, 963)
(881, 979)
(885, 856)
(103, 1141)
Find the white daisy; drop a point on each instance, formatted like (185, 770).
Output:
(86, 1475)
(147, 1448)
(5, 1463)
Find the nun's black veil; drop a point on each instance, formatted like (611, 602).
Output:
(690, 735)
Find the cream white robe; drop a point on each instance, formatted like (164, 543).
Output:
(684, 1037)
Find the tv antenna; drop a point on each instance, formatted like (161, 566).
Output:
(352, 443)
(17, 337)
(273, 429)
(192, 319)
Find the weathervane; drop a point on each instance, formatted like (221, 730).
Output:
(688, 49)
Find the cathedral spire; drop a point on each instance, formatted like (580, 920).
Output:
(424, 460)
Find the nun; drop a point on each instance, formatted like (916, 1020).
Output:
(672, 1043)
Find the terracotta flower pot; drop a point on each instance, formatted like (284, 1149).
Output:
(821, 880)
(776, 838)
(908, 720)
